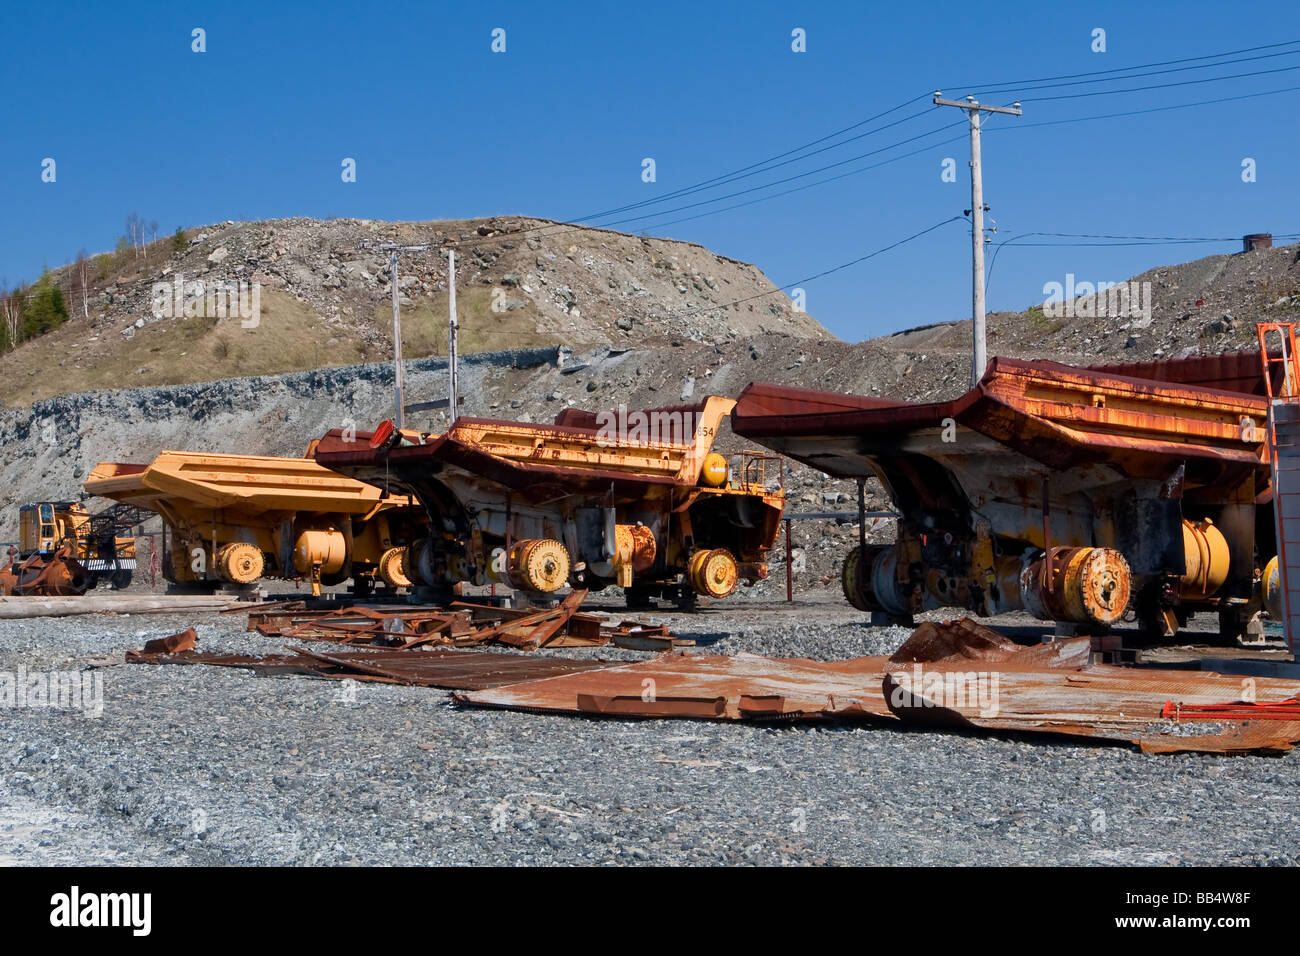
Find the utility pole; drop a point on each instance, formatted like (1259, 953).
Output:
(452, 328)
(979, 351)
(398, 418)
(393, 251)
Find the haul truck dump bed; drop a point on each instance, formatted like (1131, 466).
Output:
(638, 499)
(236, 518)
(1076, 494)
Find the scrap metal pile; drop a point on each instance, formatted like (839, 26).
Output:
(447, 669)
(460, 624)
(420, 646)
(957, 675)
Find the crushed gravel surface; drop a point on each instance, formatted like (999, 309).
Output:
(206, 765)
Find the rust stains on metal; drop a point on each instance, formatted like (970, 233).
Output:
(1226, 371)
(625, 499)
(429, 647)
(959, 674)
(1052, 412)
(1147, 475)
(55, 574)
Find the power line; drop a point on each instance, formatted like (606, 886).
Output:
(1128, 241)
(556, 229)
(788, 179)
(1159, 86)
(1152, 109)
(1135, 76)
(745, 171)
(754, 168)
(819, 275)
(1061, 122)
(1123, 69)
(819, 182)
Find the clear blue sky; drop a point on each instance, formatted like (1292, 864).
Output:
(558, 125)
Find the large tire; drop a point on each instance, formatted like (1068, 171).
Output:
(851, 580)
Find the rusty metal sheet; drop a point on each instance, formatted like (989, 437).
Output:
(1037, 693)
(1047, 689)
(691, 685)
(446, 669)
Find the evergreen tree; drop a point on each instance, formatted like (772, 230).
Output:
(45, 310)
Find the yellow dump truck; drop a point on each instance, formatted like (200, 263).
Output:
(637, 499)
(238, 518)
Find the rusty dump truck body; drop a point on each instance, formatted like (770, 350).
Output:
(1072, 493)
(636, 499)
(237, 518)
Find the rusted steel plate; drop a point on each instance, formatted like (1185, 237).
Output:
(952, 675)
(791, 687)
(447, 669)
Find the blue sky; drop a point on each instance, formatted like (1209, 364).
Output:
(558, 126)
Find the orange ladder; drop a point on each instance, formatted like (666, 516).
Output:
(1284, 457)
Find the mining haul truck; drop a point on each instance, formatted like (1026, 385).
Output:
(234, 519)
(635, 499)
(1078, 495)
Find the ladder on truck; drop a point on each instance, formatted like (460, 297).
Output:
(1284, 457)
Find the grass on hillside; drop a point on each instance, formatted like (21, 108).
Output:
(424, 324)
(290, 337)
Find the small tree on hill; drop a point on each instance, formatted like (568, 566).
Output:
(45, 309)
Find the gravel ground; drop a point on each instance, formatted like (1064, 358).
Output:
(215, 766)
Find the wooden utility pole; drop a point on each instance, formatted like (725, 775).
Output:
(979, 351)
(452, 328)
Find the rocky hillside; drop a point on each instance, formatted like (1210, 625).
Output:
(325, 300)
